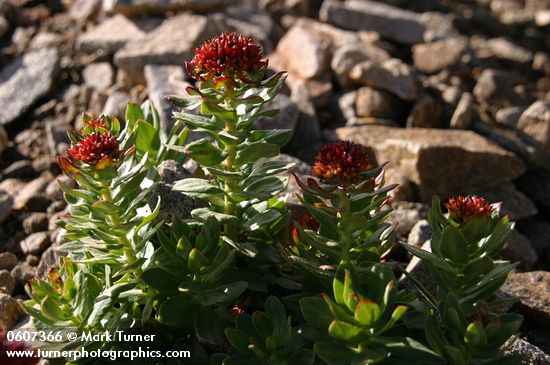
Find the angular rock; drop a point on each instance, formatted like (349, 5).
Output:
(7, 260)
(426, 113)
(514, 203)
(509, 116)
(406, 215)
(56, 136)
(307, 131)
(303, 52)
(505, 49)
(11, 312)
(110, 36)
(168, 44)
(116, 103)
(375, 103)
(82, 10)
(163, 81)
(538, 232)
(345, 105)
(49, 259)
(495, 88)
(535, 122)
(518, 248)
(449, 53)
(141, 7)
(535, 356)
(22, 273)
(18, 169)
(420, 233)
(45, 40)
(444, 162)
(35, 222)
(533, 289)
(99, 76)
(173, 202)
(53, 190)
(35, 244)
(316, 91)
(462, 115)
(390, 22)
(536, 185)
(404, 191)
(24, 81)
(344, 58)
(6, 204)
(7, 282)
(31, 197)
(391, 75)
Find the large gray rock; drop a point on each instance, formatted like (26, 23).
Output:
(391, 75)
(420, 233)
(171, 43)
(99, 76)
(441, 162)
(110, 36)
(345, 57)
(495, 89)
(11, 312)
(390, 22)
(449, 52)
(535, 356)
(518, 248)
(162, 81)
(533, 290)
(536, 185)
(31, 197)
(35, 244)
(24, 81)
(375, 103)
(140, 7)
(514, 203)
(406, 215)
(535, 122)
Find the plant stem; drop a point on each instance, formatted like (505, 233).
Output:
(345, 214)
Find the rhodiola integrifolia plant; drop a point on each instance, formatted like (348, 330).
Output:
(237, 281)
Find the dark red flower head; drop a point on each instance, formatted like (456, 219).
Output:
(5, 346)
(94, 147)
(341, 163)
(463, 209)
(228, 55)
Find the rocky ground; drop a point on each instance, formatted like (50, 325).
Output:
(456, 94)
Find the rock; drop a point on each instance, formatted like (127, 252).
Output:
(31, 197)
(307, 131)
(505, 49)
(315, 91)
(141, 7)
(375, 103)
(538, 233)
(163, 81)
(11, 312)
(7, 260)
(22, 273)
(404, 191)
(344, 58)
(36, 243)
(542, 18)
(533, 290)
(6, 204)
(173, 202)
(518, 248)
(18, 169)
(45, 40)
(53, 190)
(406, 215)
(420, 233)
(3, 139)
(495, 88)
(99, 76)
(449, 53)
(391, 75)
(11, 186)
(169, 44)
(390, 22)
(541, 62)
(82, 10)
(535, 122)
(103, 37)
(4, 25)
(426, 113)
(462, 115)
(49, 259)
(116, 103)
(536, 185)
(438, 26)
(56, 136)
(509, 116)
(535, 356)
(287, 117)
(303, 52)
(463, 160)
(514, 203)
(7, 282)
(345, 105)
(35, 222)
(24, 81)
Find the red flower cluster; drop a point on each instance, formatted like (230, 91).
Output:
(463, 209)
(227, 55)
(94, 147)
(341, 163)
(6, 346)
